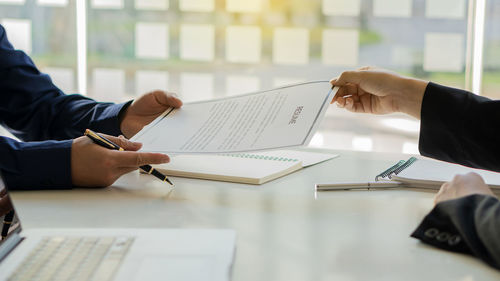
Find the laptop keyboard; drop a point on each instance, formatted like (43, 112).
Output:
(73, 258)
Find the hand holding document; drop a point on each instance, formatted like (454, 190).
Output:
(278, 118)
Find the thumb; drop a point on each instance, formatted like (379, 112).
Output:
(125, 143)
(167, 99)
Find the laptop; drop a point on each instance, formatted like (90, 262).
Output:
(111, 254)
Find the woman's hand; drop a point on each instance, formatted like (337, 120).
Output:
(375, 91)
(462, 185)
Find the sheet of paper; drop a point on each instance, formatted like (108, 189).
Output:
(281, 117)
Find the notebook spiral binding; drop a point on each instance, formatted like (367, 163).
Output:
(407, 164)
(262, 157)
(396, 169)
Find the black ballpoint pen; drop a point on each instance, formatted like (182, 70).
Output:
(7, 221)
(104, 142)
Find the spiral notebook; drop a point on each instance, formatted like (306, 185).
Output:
(251, 168)
(423, 173)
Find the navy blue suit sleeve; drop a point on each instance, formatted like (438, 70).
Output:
(35, 110)
(460, 127)
(36, 165)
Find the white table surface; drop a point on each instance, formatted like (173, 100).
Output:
(285, 231)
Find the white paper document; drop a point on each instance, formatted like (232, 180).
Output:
(282, 117)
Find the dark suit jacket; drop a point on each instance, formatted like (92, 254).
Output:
(37, 112)
(463, 128)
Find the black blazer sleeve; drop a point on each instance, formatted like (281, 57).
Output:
(468, 225)
(460, 127)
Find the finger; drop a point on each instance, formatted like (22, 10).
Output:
(353, 77)
(437, 199)
(355, 97)
(349, 104)
(342, 91)
(124, 143)
(357, 107)
(442, 190)
(347, 90)
(340, 102)
(475, 176)
(136, 159)
(167, 99)
(353, 104)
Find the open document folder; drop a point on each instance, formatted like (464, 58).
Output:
(282, 117)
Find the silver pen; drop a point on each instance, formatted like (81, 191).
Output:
(357, 185)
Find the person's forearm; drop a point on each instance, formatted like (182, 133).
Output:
(410, 96)
(468, 224)
(36, 165)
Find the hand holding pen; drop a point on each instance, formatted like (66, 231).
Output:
(95, 166)
(104, 142)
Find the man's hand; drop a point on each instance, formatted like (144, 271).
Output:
(462, 185)
(375, 91)
(96, 166)
(145, 109)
